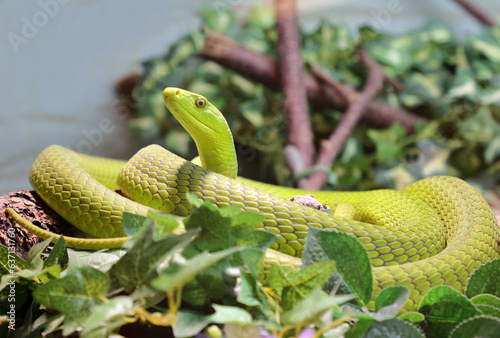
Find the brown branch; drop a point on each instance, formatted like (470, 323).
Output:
(291, 70)
(477, 12)
(260, 68)
(31, 207)
(331, 148)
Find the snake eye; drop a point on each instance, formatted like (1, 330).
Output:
(200, 102)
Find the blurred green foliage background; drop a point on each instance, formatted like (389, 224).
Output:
(455, 83)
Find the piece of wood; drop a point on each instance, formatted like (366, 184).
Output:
(31, 207)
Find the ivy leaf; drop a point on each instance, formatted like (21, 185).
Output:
(74, 295)
(393, 328)
(216, 229)
(297, 285)
(390, 301)
(230, 314)
(208, 284)
(412, 316)
(8, 263)
(312, 307)
(464, 85)
(101, 260)
(189, 323)
(55, 262)
(488, 47)
(136, 266)
(360, 328)
(479, 326)
(34, 261)
(171, 279)
(251, 294)
(165, 223)
(355, 268)
(133, 223)
(107, 317)
(388, 143)
(444, 307)
(486, 279)
(487, 304)
(58, 255)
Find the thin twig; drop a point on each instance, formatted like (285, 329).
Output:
(260, 68)
(291, 70)
(477, 12)
(330, 81)
(331, 148)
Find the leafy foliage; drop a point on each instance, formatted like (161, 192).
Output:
(207, 281)
(452, 82)
(187, 284)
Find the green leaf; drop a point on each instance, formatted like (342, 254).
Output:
(390, 301)
(139, 262)
(489, 48)
(230, 314)
(107, 317)
(486, 279)
(393, 328)
(480, 127)
(189, 323)
(164, 224)
(195, 201)
(207, 285)
(479, 326)
(360, 328)
(133, 223)
(486, 299)
(312, 307)
(9, 260)
(58, 255)
(74, 295)
(101, 260)
(170, 280)
(355, 268)
(388, 143)
(34, 260)
(297, 285)
(414, 317)
(464, 85)
(487, 304)
(219, 18)
(252, 258)
(444, 307)
(216, 231)
(8, 263)
(492, 150)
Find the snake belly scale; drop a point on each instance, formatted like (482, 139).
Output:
(437, 231)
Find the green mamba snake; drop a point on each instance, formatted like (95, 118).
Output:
(437, 231)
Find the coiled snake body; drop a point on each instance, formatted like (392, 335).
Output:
(437, 231)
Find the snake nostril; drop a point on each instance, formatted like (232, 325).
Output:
(177, 93)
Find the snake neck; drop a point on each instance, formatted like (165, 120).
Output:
(218, 155)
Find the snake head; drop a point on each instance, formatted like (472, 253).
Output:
(208, 128)
(195, 113)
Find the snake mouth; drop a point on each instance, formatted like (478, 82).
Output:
(174, 99)
(171, 93)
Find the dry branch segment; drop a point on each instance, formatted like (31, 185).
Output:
(260, 68)
(478, 13)
(331, 148)
(291, 71)
(31, 207)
